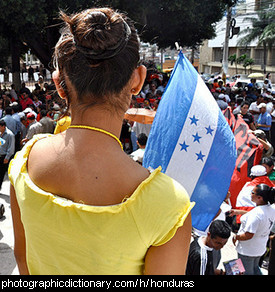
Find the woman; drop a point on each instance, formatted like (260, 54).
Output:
(88, 208)
(255, 229)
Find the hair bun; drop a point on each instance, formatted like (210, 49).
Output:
(99, 34)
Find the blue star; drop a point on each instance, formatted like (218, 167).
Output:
(184, 146)
(194, 120)
(209, 131)
(200, 156)
(196, 138)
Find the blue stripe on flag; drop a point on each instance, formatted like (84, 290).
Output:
(167, 125)
(214, 181)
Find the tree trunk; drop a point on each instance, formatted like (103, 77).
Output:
(15, 58)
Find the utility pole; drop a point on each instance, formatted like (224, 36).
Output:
(226, 43)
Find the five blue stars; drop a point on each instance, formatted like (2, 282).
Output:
(197, 138)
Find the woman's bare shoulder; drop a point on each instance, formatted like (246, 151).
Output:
(43, 158)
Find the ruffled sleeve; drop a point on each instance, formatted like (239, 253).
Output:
(161, 208)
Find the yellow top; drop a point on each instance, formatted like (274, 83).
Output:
(62, 124)
(63, 237)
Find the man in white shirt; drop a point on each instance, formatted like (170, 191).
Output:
(254, 110)
(138, 154)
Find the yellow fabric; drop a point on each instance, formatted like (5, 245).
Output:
(63, 237)
(62, 125)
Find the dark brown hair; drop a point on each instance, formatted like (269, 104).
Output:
(97, 53)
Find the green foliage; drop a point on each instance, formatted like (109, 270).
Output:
(262, 29)
(164, 22)
(187, 22)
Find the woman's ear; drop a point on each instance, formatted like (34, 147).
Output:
(138, 79)
(56, 80)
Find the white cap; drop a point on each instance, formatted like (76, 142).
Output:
(261, 105)
(258, 170)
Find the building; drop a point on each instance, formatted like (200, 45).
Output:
(211, 51)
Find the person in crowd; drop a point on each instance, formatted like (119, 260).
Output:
(268, 163)
(244, 202)
(63, 123)
(23, 127)
(264, 120)
(15, 115)
(33, 129)
(13, 93)
(6, 100)
(47, 123)
(152, 89)
(139, 153)
(10, 121)
(140, 223)
(25, 100)
(239, 101)
(36, 101)
(247, 117)
(254, 107)
(7, 149)
(222, 102)
(24, 89)
(268, 148)
(200, 259)
(255, 228)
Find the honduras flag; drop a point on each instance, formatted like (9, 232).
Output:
(192, 142)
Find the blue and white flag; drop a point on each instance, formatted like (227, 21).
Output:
(192, 142)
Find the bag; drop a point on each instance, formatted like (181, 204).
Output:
(2, 211)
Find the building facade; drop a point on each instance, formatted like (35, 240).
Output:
(211, 51)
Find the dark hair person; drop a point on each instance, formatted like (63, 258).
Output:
(86, 207)
(255, 228)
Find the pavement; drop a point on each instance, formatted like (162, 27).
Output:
(8, 264)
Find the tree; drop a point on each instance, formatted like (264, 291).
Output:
(234, 60)
(262, 30)
(36, 23)
(188, 22)
(246, 61)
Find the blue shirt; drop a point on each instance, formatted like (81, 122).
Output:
(265, 119)
(8, 147)
(11, 123)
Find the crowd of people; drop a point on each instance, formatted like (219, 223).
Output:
(23, 114)
(26, 113)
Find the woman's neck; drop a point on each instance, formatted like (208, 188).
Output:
(98, 117)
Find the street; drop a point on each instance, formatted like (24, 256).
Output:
(8, 264)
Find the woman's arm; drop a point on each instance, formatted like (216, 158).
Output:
(19, 235)
(171, 257)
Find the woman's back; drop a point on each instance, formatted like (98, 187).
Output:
(64, 237)
(79, 170)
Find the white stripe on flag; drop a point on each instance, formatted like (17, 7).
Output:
(195, 140)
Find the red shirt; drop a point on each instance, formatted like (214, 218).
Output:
(25, 102)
